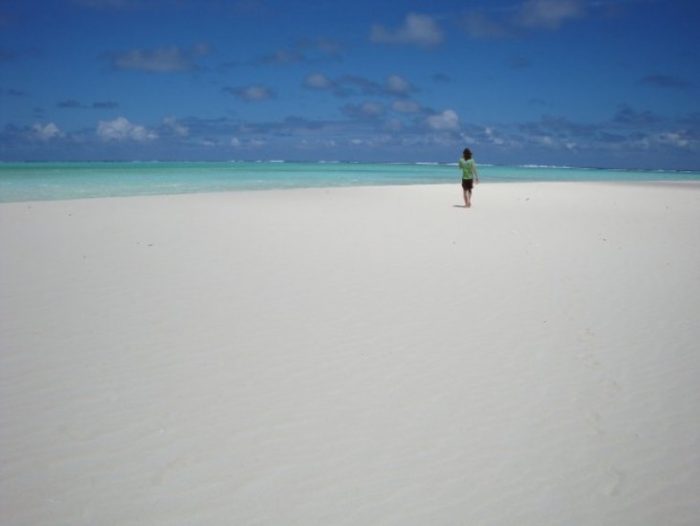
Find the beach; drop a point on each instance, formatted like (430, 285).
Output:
(353, 356)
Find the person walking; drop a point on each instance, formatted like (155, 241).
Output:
(469, 176)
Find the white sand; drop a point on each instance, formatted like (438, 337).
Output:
(353, 356)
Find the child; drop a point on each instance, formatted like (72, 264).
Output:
(469, 176)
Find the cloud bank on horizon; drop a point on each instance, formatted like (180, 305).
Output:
(578, 82)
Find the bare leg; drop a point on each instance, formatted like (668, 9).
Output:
(467, 198)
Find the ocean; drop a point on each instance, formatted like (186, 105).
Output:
(52, 181)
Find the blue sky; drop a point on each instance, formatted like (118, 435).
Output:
(606, 83)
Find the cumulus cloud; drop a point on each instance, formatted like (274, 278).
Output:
(627, 131)
(559, 126)
(530, 15)
(74, 104)
(306, 50)
(161, 60)
(548, 14)
(326, 46)
(70, 103)
(677, 139)
(253, 142)
(420, 30)
(374, 125)
(120, 129)
(172, 126)
(492, 137)
(164, 60)
(282, 56)
(366, 110)
(398, 85)
(345, 86)
(628, 116)
(406, 106)
(46, 132)
(448, 120)
(252, 93)
(350, 85)
(318, 81)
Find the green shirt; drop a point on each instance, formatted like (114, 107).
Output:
(468, 168)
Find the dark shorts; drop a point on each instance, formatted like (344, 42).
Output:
(467, 184)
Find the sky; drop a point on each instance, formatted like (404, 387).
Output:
(592, 83)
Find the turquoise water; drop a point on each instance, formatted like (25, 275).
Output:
(50, 181)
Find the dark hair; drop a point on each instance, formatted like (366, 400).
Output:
(467, 154)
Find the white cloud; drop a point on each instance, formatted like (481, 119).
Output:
(179, 129)
(406, 106)
(253, 93)
(445, 121)
(366, 110)
(348, 85)
(46, 132)
(246, 143)
(420, 30)
(120, 129)
(310, 144)
(371, 108)
(163, 60)
(492, 137)
(318, 81)
(548, 14)
(679, 140)
(398, 85)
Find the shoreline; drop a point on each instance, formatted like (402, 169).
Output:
(336, 162)
(660, 183)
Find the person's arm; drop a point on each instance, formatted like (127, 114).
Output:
(476, 174)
